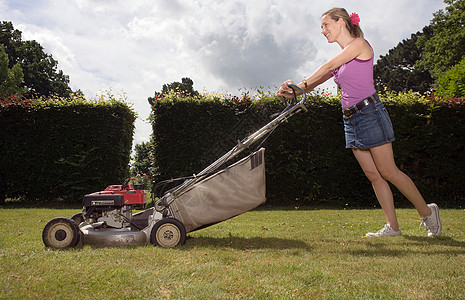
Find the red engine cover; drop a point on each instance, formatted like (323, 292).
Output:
(131, 196)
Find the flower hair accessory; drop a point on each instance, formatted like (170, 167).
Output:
(354, 19)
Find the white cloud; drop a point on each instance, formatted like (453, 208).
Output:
(137, 46)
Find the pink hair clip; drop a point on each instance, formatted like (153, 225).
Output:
(354, 19)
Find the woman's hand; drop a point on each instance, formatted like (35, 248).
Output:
(285, 90)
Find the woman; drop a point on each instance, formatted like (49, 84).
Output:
(367, 126)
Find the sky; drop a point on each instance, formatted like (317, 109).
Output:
(226, 46)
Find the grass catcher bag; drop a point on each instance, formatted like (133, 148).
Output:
(223, 195)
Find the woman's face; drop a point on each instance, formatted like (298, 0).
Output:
(330, 28)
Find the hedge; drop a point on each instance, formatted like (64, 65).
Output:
(306, 159)
(63, 149)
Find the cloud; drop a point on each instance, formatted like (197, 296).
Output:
(246, 47)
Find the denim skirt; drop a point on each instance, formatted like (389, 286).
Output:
(369, 127)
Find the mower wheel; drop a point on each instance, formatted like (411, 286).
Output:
(61, 233)
(78, 218)
(168, 232)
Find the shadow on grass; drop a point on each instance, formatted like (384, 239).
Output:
(436, 240)
(413, 245)
(12, 204)
(242, 243)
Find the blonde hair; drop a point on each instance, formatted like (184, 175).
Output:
(337, 13)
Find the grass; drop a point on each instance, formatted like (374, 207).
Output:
(262, 254)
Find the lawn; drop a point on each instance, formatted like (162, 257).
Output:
(262, 254)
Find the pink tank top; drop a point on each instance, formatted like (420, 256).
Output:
(355, 80)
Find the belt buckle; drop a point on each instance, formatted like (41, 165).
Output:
(347, 113)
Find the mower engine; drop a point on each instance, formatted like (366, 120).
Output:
(113, 206)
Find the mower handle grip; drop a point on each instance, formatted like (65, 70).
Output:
(296, 88)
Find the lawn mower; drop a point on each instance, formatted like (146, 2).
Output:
(204, 199)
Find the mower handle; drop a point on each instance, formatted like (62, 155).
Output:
(162, 204)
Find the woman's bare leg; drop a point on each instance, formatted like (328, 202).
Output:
(384, 160)
(380, 186)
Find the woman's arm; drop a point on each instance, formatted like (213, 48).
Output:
(355, 49)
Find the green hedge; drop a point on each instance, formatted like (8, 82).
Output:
(63, 149)
(306, 158)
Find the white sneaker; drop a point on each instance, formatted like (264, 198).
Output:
(432, 223)
(385, 231)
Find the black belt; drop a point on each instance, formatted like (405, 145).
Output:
(350, 111)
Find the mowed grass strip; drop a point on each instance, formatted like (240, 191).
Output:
(262, 254)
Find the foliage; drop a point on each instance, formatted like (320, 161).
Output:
(415, 63)
(306, 157)
(142, 162)
(446, 47)
(452, 83)
(185, 88)
(41, 77)
(262, 254)
(10, 79)
(396, 70)
(142, 168)
(57, 148)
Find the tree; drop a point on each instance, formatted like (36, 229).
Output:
(142, 158)
(452, 83)
(143, 168)
(185, 88)
(446, 47)
(397, 70)
(41, 77)
(10, 79)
